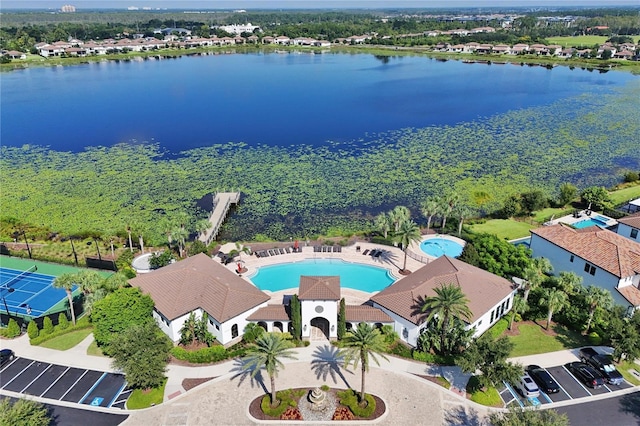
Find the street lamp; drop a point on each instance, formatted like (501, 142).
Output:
(97, 248)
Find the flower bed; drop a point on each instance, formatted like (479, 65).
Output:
(293, 411)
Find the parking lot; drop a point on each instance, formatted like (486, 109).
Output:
(570, 388)
(57, 382)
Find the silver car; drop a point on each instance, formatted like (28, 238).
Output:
(527, 387)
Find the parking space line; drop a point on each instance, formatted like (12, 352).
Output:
(18, 375)
(7, 366)
(43, 371)
(514, 394)
(546, 397)
(127, 394)
(558, 383)
(607, 388)
(92, 387)
(75, 383)
(124, 385)
(578, 381)
(55, 381)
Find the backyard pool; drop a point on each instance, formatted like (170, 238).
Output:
(437, 247)
(592, 221)
(352, 275)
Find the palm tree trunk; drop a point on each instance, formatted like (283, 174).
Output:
(273, 389)
(428, 223)
(73, 314)
(362, 382)
(591, 312)
(513, 315)
(527, 289)
(549, 318)
(404, 266)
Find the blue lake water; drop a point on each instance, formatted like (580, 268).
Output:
(273, 99)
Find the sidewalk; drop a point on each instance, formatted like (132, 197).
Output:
(75, 357)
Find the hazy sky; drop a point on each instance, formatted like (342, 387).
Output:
(249, 4)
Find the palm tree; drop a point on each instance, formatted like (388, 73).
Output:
(358, 345)
(596, 297)
(430, 208)
(67, 281)
(534, 274)
(569, 282)
(399, 215)
(180, 234)
(447, 204)
(91, 285)
(267, 352)
(519, 306)
(448, 302)
(408, 233)
(202, 225)
(383, 224)
(461, 211)
(554, 299)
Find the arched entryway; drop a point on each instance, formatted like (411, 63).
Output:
(277, 326)
(263, 325)
(319, 329)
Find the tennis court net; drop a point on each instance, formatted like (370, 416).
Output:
(6, 286)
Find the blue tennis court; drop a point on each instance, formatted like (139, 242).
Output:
(28, 293)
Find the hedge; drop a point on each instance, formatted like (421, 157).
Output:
(288, 398)
(81, 324)
(12, 330)
(201, 356)
(349, 398)
(430, 358)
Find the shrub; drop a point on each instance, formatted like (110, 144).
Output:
(47, 326)
(201, 356)
(631, 177)
(32, 330)
(377, 239)
(594, 339)
(12, 330)
(400, 349)
(82, 323)
(324, 388)
(349, 398)
(288, 399)
(498, 328)
(430, 358)
(63, 322)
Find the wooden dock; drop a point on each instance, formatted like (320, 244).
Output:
(221, 203)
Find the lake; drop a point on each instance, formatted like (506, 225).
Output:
(275, 99)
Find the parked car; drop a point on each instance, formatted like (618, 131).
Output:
(602, 363)
(527, 387)
(6, 355)
(586, 374)
(543, 379)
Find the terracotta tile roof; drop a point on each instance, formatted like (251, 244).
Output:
(319, 288)
(270, 313)
(366, 313)
(199, 282)
(631, 220)
(483, 289)
(631, 293)
(605, 249)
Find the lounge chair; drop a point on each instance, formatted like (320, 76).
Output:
(265, 253)
(339, 248)
(366, 252)
(287, 250)
(316, 249)
(282, 251)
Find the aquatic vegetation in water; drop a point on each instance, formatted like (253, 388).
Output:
(303, 191)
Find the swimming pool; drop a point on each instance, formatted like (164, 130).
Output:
(592, 221)
(352, 275)
(437, 247)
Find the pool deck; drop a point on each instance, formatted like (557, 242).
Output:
(582, 215)
(392, 259)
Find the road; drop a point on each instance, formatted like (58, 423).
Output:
(619, 411)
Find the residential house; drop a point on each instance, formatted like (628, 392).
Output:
(501, 49)
(201, 285)
(601, 257)
(519, 49)
(490, 296)
(14, 54)
(282, 40)
(629, 227)
(624, 54)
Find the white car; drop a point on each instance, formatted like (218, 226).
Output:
(527, 387)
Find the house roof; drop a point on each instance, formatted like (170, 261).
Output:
(319, 288)
(483, 289)
(365, 313)
(270, 313)
(631, 293)
(605, 249)
(631, 220)
(199, 282)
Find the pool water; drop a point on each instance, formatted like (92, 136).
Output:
(593, 221)
(437, 247)
(352, 275)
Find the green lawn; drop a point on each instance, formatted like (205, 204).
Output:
(67, 341)
(623, 195)
(532, 340)
(144, 399)
(490, 397)
(94, 350)
(624, 368)
(504, 228)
